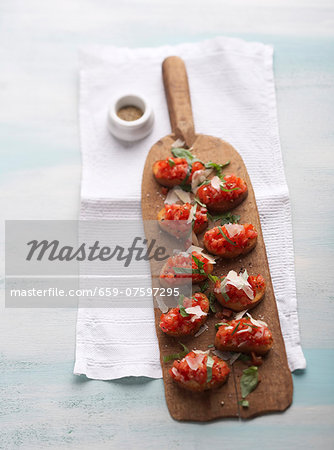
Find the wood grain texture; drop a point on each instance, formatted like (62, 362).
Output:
(178, 99)
(276, 384)
(42, 404)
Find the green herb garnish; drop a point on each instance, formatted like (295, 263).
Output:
(220, 324)
(244, 403)
(204, 286)
(218, 167)
(225, 218)
(212, 299)
(183, 153)
(209, 365)
(197, 200)
(181, 307)
(210, 345)
(235, 329)
(249, 380)
(171, 162)
(199, 264)
(177, 355)
(225, 237)
(213, 277)
(228, 190)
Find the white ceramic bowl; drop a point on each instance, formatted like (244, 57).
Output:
(130, 130)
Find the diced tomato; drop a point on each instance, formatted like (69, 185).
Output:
(238, 295)
(217, 242)
(176, 169)
(209, 195)
(186, 262)
(181, 212)
(238, 332)
(174, 322)
(184, 373)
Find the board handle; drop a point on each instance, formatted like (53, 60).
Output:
(178, 99)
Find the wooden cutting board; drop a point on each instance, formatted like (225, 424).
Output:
(274, 392)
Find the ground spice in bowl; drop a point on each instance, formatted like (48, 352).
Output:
(129, 113)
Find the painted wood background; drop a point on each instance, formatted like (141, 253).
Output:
(42, 404)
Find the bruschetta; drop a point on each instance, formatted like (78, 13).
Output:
(231, 240)
(198, 371)
(187, 318)
(245, 336)
(180, 220)
(239, 292)
(184, 268)
(222, 194)
(174, 171)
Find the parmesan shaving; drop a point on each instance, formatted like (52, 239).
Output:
(201, 330)
(196, 312)
(194, 363)
(194, 248)
(178, 143)
(161, 304)
(192, 214)
(183, 196)
(240, 314)
(239, 282)
(257, 323)
(233, 229)
(231, 357)
(216, 182)
(198, 177)
(176, 194)
(201, 352)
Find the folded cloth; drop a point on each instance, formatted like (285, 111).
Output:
(233, 97)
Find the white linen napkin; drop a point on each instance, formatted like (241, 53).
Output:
(233, 97)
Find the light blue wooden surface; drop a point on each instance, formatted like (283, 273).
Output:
(41, 403)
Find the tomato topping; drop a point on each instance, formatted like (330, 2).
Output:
(210, 195)
(238, 295)
(186, 262)
(241, 332)
(217, 242)
(181, 212)
(176, 169)
(182, 371)
(174, 322)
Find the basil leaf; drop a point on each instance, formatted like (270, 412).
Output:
(222, 188)
(177, 355)
(209, 365)
(235, 329)
(244, 403)
(213, 277)
(171, 162)
(199, 264)
(183, 153)
(249, 380)
(204, 286)
(224, 235)
(182, 309)
(226, 218)
(218, 167)
(197, 200)
(212, 299)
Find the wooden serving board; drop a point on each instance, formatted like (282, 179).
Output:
(274, 392)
